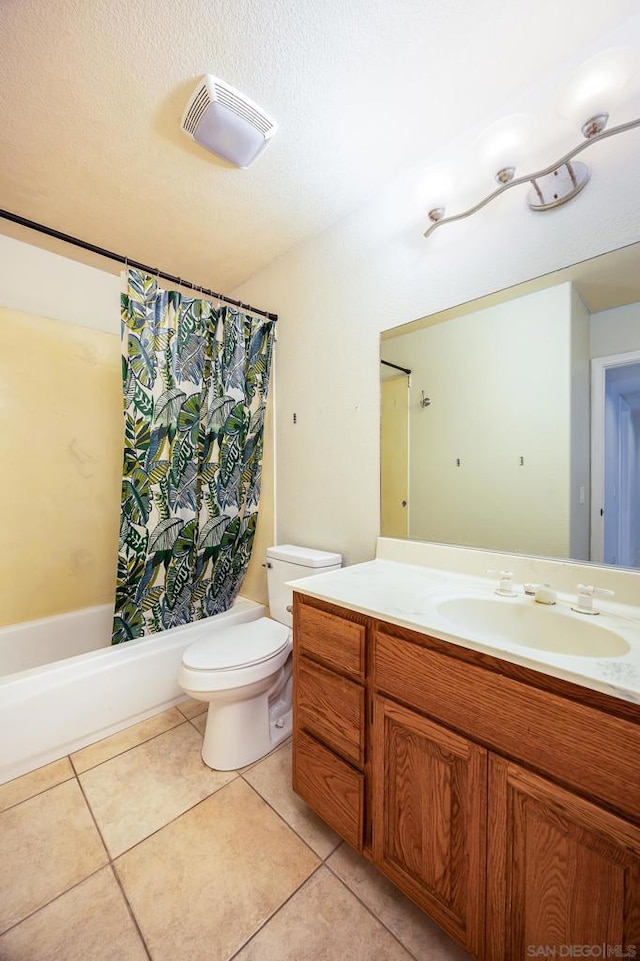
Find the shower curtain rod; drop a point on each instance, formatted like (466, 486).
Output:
(41, 228)
(387, 363)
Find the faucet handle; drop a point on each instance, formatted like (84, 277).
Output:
(586, 593)
(505, 585)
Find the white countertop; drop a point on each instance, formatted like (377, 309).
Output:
(409, 595)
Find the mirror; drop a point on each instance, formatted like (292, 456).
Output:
(512, 422)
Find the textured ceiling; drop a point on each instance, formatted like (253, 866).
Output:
(92, 95)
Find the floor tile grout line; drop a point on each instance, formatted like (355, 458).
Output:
(51, 901)
(128, 749)
(130, 909)
(74, 773)
(77, 774)
(290, 826)
(74, 770)
(10, 807)
(68, 890)
(114, 871)
(245, 768)
(190, 721)
(72, 763)
(74, 777)
(370, 909)
(94, 819)
(277, 911)
(111, 859)
(235, 776)
(172, 820)
(193, 716)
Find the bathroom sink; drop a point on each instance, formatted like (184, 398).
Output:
(523, 622)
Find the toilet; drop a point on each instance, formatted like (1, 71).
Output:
(244, 672)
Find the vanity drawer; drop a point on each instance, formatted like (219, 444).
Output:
(330, 786)
(524, 722)
(332, 708)
(336, 641)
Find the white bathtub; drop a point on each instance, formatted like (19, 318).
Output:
(49, 639)
(51, 710)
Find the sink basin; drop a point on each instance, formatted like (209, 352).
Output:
(523, 622)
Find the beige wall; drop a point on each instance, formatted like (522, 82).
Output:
(615, 331)
(61, 432)
(61, 451)
(40, 282)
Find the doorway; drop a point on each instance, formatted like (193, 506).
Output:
(394, 457)
(615, 527)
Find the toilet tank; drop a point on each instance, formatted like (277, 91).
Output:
(287, 562)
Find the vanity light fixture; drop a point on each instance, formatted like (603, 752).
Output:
(552, 186)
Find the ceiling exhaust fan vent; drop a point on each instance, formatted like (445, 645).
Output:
(224, 121)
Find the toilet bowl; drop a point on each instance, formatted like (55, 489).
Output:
(244, 672)
(245, 675)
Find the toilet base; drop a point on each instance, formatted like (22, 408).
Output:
(239, 732)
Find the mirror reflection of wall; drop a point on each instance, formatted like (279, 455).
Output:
(394, 454)
(503, 456)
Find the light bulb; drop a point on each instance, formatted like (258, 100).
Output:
(437, 186)
(597, 85)
(504, 143)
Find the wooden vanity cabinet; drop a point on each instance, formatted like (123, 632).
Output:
(329, 713)
(503, 802)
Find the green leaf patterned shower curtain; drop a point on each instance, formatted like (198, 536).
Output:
(195, 379)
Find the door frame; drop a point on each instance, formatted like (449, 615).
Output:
(400, 379)
(599, 368)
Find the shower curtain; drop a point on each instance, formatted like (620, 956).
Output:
(195, 379)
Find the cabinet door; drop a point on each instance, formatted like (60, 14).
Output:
(429, 818)
(562, 872)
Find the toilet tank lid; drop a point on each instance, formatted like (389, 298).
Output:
(237, 646)
(304, 556)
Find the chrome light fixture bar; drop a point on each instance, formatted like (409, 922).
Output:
(552, 186)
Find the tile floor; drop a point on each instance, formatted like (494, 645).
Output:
(133, 850)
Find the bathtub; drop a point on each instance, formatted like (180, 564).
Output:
(49, 708)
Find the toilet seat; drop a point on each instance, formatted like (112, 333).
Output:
(242, 655)
(241, 646)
